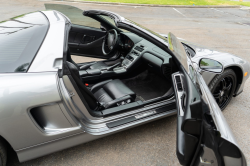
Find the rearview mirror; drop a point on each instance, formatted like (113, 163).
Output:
(211, 65)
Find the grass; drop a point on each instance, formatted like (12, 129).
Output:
(179, 2)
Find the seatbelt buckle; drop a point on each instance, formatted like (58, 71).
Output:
(86, 84)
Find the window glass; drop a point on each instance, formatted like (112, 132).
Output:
(74, 14)
(178, 50)
(20, 39)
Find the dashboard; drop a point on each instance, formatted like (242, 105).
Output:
(128, 41)
(137, 50)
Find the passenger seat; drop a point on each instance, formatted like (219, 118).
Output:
(107, 93)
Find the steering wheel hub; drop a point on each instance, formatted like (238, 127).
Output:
(109, 41)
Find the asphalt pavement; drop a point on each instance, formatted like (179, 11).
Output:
(223, 29)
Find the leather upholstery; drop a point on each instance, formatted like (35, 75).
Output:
(73, 69)
(111, 89)
(117, 89)
(99, 85)
(86, 96)
(102, 96)
(94, 65)
(87, 65)
(109, 92)
(98, 65)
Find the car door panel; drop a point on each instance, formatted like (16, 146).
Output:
(86, 41)
(187, 98)
(217, 133)
(92, 49)
(203, 135)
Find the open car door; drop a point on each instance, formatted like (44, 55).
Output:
(203, 135)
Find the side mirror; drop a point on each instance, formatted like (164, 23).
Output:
(210, 65)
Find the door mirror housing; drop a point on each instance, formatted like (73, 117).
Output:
(210, 65)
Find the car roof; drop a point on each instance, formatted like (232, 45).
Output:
(50, 55)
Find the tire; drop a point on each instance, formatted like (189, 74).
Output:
(3, 153)
(222, 87)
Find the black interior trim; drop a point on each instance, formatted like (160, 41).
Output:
(123, 108)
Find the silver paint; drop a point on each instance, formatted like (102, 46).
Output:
(226, 59)
(21, 92)
(49, 57)
(94, 125)
(218, 118)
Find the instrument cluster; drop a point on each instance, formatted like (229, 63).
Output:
(126, 43)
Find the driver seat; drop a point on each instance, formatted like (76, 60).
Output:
(88, 65)
(93, 65)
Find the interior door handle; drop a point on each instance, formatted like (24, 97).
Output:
(183, 101)
(87, 39)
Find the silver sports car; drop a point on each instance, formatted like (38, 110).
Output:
(49, 102)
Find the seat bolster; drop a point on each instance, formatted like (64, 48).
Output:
(99, 85)
(117, 89)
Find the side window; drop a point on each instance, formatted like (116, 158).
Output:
(74, 14)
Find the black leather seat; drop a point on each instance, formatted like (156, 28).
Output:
(87, 65)
(93, 65)
(112, 92)
(107, 93)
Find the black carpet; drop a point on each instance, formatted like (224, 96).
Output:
(148, 85)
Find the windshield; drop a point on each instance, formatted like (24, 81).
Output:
(74, 14)
(150, 31)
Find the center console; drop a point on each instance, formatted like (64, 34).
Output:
(131, 57)
(118, 68)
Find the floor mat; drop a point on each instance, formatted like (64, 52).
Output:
(148, 85)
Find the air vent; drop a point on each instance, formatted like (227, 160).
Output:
(139, 48)
(167, 71)
(178, 82)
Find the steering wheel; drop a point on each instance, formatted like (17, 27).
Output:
(110, 40)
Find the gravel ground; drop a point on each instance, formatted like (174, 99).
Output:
(226, 30)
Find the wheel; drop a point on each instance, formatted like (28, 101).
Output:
(3, 153)
(222, 87)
